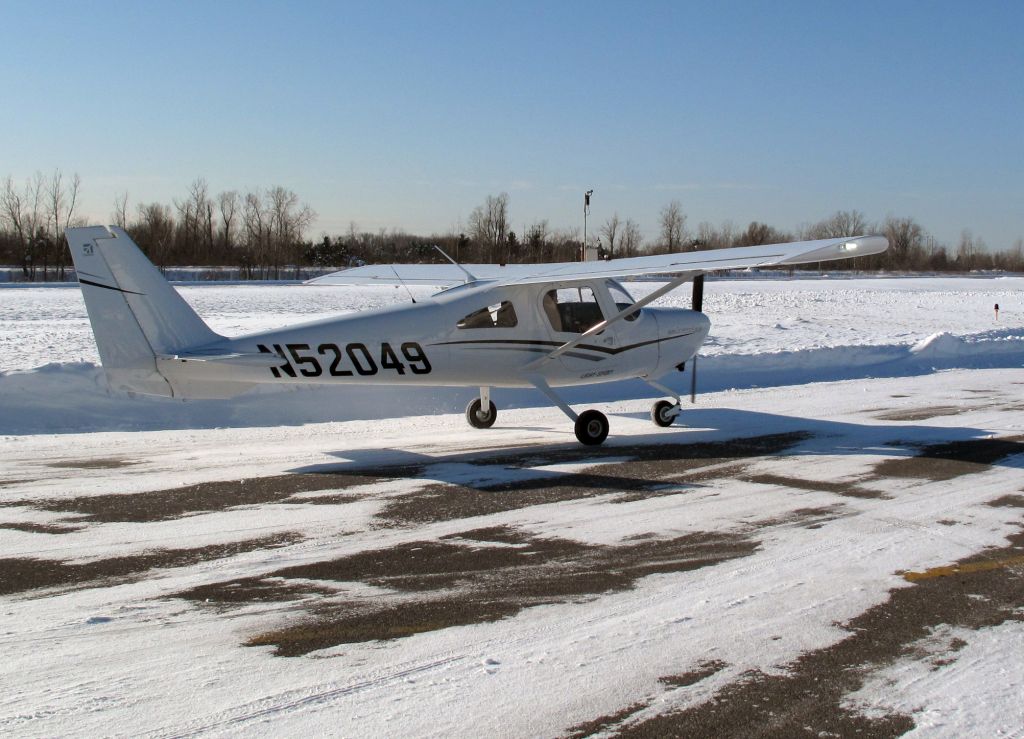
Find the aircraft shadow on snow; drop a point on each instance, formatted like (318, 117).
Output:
(709, 434)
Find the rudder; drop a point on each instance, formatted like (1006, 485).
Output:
(135, 314)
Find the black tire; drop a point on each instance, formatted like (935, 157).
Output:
(660, 413)
(592, 428)
(480, 420)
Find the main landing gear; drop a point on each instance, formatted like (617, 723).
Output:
(591, 426)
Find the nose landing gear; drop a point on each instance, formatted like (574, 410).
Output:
(664, 413)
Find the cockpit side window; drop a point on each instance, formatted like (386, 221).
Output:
(499, 315)
(621, 298)
(572, 309)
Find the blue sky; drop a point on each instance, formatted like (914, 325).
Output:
(407, 115)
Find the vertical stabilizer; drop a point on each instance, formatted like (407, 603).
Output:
(135, 314)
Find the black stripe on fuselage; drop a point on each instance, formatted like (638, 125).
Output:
(107, 287)
(531, 350)
(556, 344)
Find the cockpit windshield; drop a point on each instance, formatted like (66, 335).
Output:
(621, 298)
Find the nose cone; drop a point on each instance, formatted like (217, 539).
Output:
(684, 324)
(681, 334)
(703, 324)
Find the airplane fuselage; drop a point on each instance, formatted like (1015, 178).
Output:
(480, 335)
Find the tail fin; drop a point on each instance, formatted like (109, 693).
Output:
(135, 314)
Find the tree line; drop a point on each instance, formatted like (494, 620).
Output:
(264, 232)
(261, 231)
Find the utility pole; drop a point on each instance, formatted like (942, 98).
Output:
(586, 212)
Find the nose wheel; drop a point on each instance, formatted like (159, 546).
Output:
(664, 413)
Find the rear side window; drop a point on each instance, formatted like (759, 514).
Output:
(499, 315)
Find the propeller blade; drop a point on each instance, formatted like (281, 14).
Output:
(698, 305)
(693, 379)
(698, 293)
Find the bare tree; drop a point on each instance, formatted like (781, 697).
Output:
(256, 236)
(1016, 256)
(61, 204)
(967, 250)
(488, 225)
(195, 222)
(154, 232)
(288, 221)
(727, 234)
(26, 211)
(631, 239)
(841, 223)
(120, 213)
(706, 236)
(12, 212)
(761, 233)
(906, 243)
(710, 237)
(673, 227)
(611, 230)
(76, 186)
(229, 204)
(537, 241)
(202, 206)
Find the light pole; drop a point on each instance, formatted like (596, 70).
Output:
(586, 212)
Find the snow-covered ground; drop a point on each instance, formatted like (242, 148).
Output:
(364, 564)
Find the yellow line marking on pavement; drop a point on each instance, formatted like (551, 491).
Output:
(964, 569)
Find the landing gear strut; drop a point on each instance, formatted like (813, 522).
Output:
(591, 425)
(476, 415)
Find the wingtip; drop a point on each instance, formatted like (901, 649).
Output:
(868, 244)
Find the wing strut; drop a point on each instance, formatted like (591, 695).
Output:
(602, 325)
(470, 275)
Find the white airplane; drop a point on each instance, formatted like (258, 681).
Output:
(537, 325)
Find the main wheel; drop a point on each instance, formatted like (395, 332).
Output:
(592, 427)
(478, 419)
(662, 413)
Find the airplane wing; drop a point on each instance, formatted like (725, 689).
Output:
(678, 264)
(441, 275)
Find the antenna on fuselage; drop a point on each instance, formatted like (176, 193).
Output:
(470, 275)
(411, 296)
